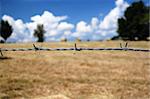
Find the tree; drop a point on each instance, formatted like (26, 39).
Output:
(39, 33)
(5, 29)
(135, 23)
(64, 40)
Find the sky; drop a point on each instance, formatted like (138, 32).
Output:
(71, 19)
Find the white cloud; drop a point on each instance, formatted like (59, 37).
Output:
(94, 22)
(106, 28)
(19, 30)
(110, 20)
(47, 17)
(57, 28)
(119, 2)
(87, 31)
(54, 25)
(65, 26)
(82, 27)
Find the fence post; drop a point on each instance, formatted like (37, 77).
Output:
(1, 52)
(126, 45)
(120, 45)
(36, 48)
(76, 49)
(75, 46)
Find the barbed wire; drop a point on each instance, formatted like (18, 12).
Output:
(35, 48)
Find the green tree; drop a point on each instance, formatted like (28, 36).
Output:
(39, 33)
(135, 23)
(5, 29)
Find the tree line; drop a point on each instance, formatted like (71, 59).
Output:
(134, 25)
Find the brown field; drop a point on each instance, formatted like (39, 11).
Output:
(74, 74)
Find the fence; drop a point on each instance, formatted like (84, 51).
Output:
(35, 48)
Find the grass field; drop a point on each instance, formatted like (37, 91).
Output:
(74, 74)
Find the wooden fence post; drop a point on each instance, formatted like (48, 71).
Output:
(1, 52)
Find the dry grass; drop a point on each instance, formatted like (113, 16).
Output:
(75, 75)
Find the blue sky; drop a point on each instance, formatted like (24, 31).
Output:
(75, 10)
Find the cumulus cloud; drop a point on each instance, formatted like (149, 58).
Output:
(47, 17)
(54, 26)
(110, 21)
(57, 28)
(82, 27)
(65, 26)
(86, 31)
(106, 28)
(20, 33)
(94, 23)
